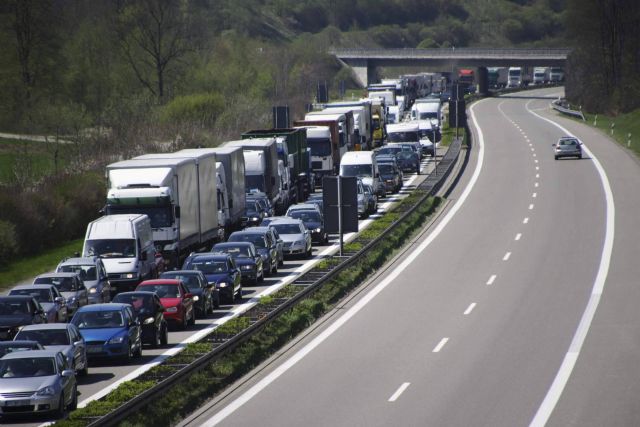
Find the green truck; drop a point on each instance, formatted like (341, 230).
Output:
(293, 152)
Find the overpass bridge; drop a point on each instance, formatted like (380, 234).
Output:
(364, 61)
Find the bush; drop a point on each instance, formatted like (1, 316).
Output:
(8, 242)
(201, 108)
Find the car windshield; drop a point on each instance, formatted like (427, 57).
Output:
(45, 337)
(256, 239)
(305, 216)
(355, 170)
(112, 248)
(403, 136)
(10, 308)
(98, 319)
(163, 291)
(385, 169)
(41, 295)
(389, 151)
(27, 367)
(208, 266)
(287, 228)
(64, 284)
(86, 272)
(405, 155)
(234, 251)
(138, 302)
(190, 280)
(568, 142)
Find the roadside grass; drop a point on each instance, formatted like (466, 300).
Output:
(29, 267)
(16, 155)
(623, 125)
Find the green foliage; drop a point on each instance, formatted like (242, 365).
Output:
(202, 109)
(8, 242)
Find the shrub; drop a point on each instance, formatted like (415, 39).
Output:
(8, 242)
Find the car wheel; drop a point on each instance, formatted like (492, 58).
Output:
(192, 321)
(216, 303)
(74, 399)
(84, 371)
(326, 238)
(59, 413)
(128, 356)
(157, 339)
(138, 352)
(262, 277)
(185, 322)
(281, 262)
(238, 295)
(556, 157)
(255, 281)
(275, 268)
(164, 340)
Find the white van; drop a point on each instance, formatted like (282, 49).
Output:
(406, 133)
(125, 245)
(427, 111)
(362, 164)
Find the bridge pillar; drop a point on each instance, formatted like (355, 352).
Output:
(361, 70)
(483, 80)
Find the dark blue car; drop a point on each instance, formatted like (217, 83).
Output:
(247, 259)
(220, 270)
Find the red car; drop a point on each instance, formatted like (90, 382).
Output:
(175, 298)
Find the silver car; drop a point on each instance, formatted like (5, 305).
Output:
(37, 381)
(295, 236)
(62, 337)
(70, 286)
(49, 297)
(92, 273)
(567, 146)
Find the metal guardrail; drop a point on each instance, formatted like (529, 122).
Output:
(558, 106)
(408, 53)
(430, 186)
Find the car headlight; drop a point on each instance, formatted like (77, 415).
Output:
(117, 340)
(255, 218)
(128, 276)
(222, 284)
(196, 297)
(71, 300)
(93, 290)
(46, 391)
(172, 310)
(246, 267)
(149, 320)
(318, 230)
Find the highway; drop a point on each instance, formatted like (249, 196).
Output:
(518, 307)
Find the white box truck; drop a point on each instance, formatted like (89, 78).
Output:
(125, 245)
(363, 164)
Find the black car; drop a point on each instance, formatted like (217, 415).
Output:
(408, 161)
(17, 311)
(247, 259)
(263, 202)
(220, 271)
(266, 248)
(253, 214)
(206, 296)
(21, 345)
(148, 308)
(313, 220)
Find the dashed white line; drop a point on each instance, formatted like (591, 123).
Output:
(537, 168)
(535, 155)
(506, 256)
(531, 206)
(526, 220)
(537, 175)
(441, 344)
(470, 308)
(491, 280)
(534, 195)
(536, 160)
(398, 392)
(536, 184)
(518, 236)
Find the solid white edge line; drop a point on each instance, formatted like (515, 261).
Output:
(398, 392)
(491, 280)
(440, 345)
(518, 236)
(470, 308)
(571, 357)
(506, 256)
(525, 221)
(300, 354)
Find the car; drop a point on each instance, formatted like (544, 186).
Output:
(70, 286)
(92, 273)
(408, 161)
(370, 199)
(149, 310)
(316, 199)
(17, 311)
(314, 221)
(304, 207)
(263, 202)
(38, 381)
(205, 296)
(296, 237)
(253, 214)
(62, 337)
(390, 173)
(110, 331)
(266, 248)
(388, 150)
(428, 147)
(7, 347)
(274, 237)
(246, 258)
(568, 146)
(362, 203)
(175, 298)
(220, 270)
(49, 298)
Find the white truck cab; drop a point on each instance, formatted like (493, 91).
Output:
(362, 164)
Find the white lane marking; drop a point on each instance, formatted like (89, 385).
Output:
(398, 392)
(536, 184)
(491, 280)
(300, 354)
(537, 175)
(535, 155)
(537, 168)
(531, 206)
(536, 161)
(440, 345)
(571, 357)
(470, 308)
(518, 237)
(526, 220)
(506, 256)
(534, 195)
(533, 149)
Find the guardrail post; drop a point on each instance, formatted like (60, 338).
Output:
(613, 125)
(595, 121)
(628, 140)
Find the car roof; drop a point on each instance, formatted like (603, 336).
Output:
(31, 354)
(230, 244)
(286, 220)
(174, 282)
(303, 206)
(211, 255)
(46, 327)
(18, 343)
(38, 286)
(251, 230)
(80, 260)
(184, 272)
(138, 293)
(108, 306)
(67, 274)
(16, 298)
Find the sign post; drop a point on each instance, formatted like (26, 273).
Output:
(340, 205)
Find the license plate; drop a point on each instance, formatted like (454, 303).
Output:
(94, 349)
(17, 403)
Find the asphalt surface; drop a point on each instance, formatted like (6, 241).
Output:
(475, 322)
(104, 376)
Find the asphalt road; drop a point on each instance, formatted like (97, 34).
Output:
(104, 377)
(481, 320)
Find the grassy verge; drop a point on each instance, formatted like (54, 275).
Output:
(187, 395)
(16, 155)
(32, 266)
(623, 125)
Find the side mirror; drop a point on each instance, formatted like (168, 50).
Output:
(68, 373)
(77, 343)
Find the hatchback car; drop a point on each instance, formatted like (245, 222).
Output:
(370, 199)
(253, 214)
(92, 273)
(206, 296)
(266, 248)
(148, 308)
(304, 207)
(314, 221)
(62, 337)
(295, 236)
(220, 270)
(11, 346)
(110, 330)
(38, 381)
(263, 201)
(390, 173)
(567, 147)
(246, 258)
(17, 311)
(408, 161)
(175, 298)
(70, 286)
(273, 237)
(49, 298)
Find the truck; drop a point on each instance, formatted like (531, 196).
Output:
(262, 171)
(515, 77)
(540, 75)
(324, 146)
(229, 184)
(346, 125)
(389, 96)
(292, 150)
(126, 246)
(497, 77)
(178, 196)
(359, 140)
(556, 75)
(378, 120)
(465, 77)
(363, 109)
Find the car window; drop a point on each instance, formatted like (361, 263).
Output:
(42, 295)
(27, 367)
(9, 308)
(45, 337)
(98, 319)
